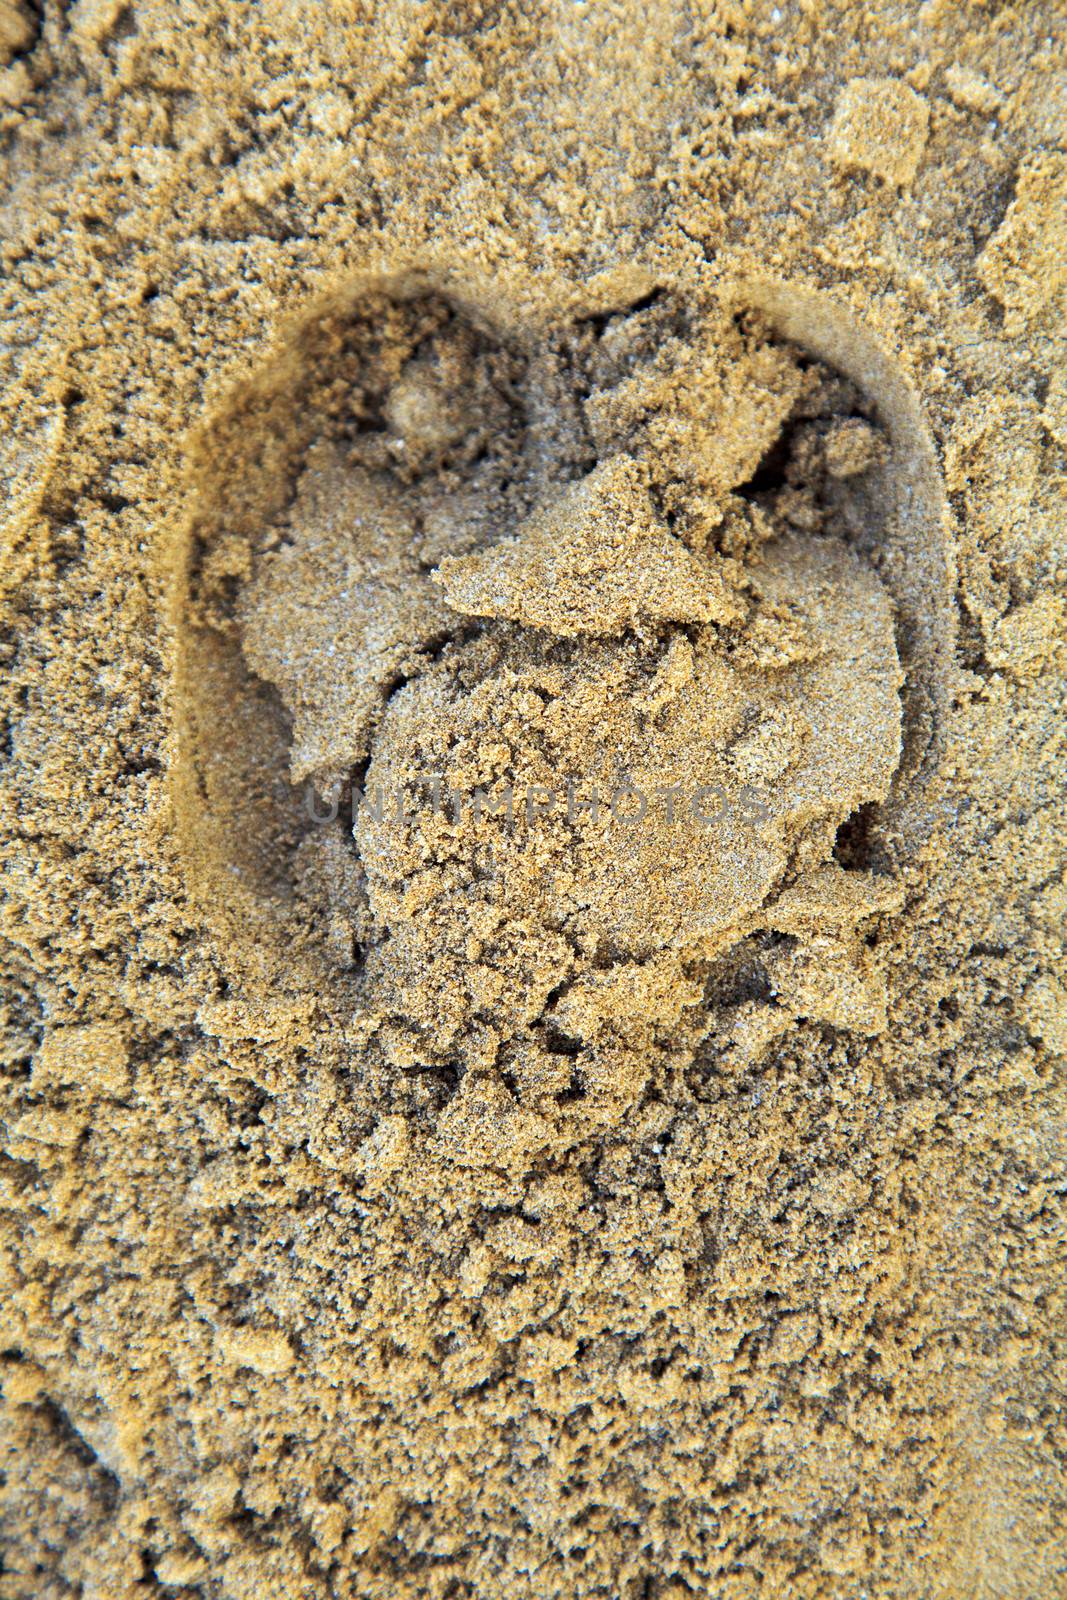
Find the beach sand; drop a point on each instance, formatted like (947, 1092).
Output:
(534, 645)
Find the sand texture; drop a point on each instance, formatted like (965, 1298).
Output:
(532, 754)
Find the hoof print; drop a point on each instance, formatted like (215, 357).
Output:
(616, 698)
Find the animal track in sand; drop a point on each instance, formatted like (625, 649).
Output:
(640, 551)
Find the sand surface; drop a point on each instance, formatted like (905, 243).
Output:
(534, 650)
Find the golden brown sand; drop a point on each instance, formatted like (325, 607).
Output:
(534, 643)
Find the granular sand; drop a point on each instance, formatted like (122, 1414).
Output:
(534, 645)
